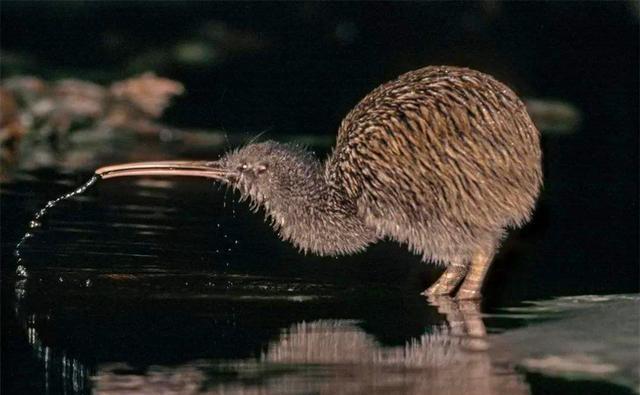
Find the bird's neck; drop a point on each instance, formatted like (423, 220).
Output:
(314, 214)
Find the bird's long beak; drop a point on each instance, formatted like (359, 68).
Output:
(166, 168)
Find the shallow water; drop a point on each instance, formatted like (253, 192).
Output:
(168, 284)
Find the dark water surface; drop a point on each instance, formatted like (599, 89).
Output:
(168, 285)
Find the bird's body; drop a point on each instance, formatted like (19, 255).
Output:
(441, 159)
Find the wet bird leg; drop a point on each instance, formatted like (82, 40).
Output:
(448, 281)
(470, 288)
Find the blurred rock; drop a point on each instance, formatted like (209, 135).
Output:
(213, 43)
(56, 107)
(196, 53)
(11, 128)
(35, 112)
(149, 93)
(588, 337)
(554, 116)
(13, 62)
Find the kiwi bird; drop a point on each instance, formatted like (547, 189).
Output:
(441, 159)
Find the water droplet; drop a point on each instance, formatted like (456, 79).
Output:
(60, 280)
(21, 272)
(235, 242)
(34, 223)
(87, 283)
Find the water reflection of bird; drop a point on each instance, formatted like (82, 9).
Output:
(338, 356)
(441, 159)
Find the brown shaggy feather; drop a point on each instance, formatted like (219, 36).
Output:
(442, 158)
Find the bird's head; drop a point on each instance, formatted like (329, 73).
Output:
(270, 170)
(261, 171)
(288, 182)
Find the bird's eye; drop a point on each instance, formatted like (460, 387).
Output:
(243, 167)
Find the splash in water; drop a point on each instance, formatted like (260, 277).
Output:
(35, 222)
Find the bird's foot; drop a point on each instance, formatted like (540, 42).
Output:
(468, 294)
(437, 290)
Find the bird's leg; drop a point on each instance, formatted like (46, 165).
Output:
(472, 284)
(448, 281)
